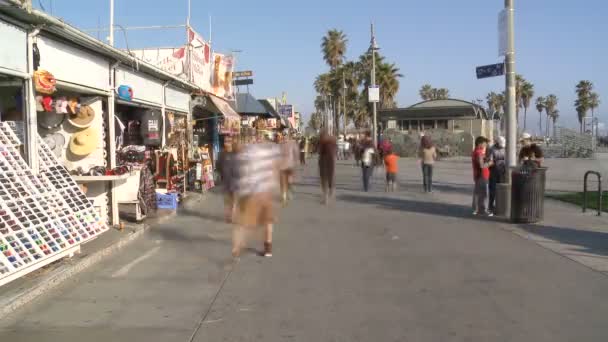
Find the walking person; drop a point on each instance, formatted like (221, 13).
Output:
(391, 165)
(289, 157)
(229, 171)
(481, 176)
(427, 155)
(303, 151)
(258, 169)
(327, 164)
(367, 163)
(498, 170)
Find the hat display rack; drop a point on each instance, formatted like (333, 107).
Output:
(43, 217)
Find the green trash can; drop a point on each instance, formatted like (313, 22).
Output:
(528, 193)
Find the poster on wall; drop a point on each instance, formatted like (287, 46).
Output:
(223, 67)
(171, 60)
(201, 60)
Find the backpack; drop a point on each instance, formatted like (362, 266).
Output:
(367, 156)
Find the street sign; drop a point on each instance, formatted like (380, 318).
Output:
(373, 94)
(247, 81)
(247, 73)
(491, 70)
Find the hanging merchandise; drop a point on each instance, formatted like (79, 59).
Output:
(84, 142)
(50, 120)
(61, 105)
(83, 118)
(56, 142)
(151, 127)
(125, 93)
(73, 106)
(44, 82)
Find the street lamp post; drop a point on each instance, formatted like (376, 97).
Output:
(510, 89)
(374, 47)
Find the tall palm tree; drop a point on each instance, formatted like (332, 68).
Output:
(426, 92)
(594, 102)
(550, 107)
(492, 104)
(388, 80)
(540, 107)
(519, 83)
(442, 94)
(554, 117)
(333, 46)
(527, 93)
(584, 89)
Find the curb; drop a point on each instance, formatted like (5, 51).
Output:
(68, 272)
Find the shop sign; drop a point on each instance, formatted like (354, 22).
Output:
(200, 61)
(247, 73)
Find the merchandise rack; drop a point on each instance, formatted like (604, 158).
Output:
(43, 217)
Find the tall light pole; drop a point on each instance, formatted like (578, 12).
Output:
(374, 47)
(510, 88)
(344, 99)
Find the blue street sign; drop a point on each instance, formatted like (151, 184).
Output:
(492, 70)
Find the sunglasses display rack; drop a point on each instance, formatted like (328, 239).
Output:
(44, 216)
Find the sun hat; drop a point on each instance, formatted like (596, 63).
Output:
(84, 142)
(525, 136)
(56, 142)
(501, 141)
(50, 120)
(44, 82)
(83, 118)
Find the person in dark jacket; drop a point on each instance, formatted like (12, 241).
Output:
(496, 155)
(327, 163)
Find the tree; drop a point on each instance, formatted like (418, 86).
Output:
(540, 107)
(554, 117)
(550, 108)
(315, 121)
(426, 92)
(594, 102)
(584, 89)
(388, 80)
(519, 85)
(333, 46)
(527, 93)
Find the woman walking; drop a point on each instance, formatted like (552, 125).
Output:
(428, 155)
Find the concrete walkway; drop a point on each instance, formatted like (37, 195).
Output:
(399, 267)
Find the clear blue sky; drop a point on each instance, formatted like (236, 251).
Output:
(438, 41)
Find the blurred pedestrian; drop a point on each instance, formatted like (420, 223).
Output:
(427, 154)
(391, 165)
(367, 163)
(289, 157)
(229, 172)
(498, 170)
(303, 143)
(258, 168)
(327, 164)
(481, 176)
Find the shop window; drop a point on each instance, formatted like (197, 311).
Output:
(442, 124)
(12, 107)
(428, 124)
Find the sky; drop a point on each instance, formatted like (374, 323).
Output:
(439, 42)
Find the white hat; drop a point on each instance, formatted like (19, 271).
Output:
(525, 136)
(501, 141)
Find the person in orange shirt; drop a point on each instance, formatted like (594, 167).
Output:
(391, 166)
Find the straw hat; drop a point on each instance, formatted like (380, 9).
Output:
(83, 118)
(84, 142)
(44, 82)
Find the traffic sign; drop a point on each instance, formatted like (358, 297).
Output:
(491, 70)
(373, 93)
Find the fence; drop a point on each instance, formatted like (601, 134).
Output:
(569, 143)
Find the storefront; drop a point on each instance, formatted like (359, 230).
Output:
(151, 139)
(214, 121)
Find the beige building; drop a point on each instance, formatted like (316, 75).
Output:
(450, 115)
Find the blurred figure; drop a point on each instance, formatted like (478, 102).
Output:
(357, 151)
(229, 171)
(526, 141)
(481, 176)
(303, 146)
(327, 164)
(258, 168)
(427, 155)
(289, 157)
(498, 170)
(391, 164)
(367, 162)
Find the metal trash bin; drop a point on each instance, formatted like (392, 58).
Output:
(528, 193)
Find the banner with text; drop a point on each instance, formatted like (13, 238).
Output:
(200, 60)
(223, 67)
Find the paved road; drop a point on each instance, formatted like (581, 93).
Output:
(370, 267)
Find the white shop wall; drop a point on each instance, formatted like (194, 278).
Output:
(177, 99)
(73, 65)
(13, 53)
(145, 88)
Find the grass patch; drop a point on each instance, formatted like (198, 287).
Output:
(577, 199)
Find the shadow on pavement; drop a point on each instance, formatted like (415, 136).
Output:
(588, 241)
(430, 208)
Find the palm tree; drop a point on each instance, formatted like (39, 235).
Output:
(540, 106)
(519, 83)
(594, 102)
(527, 93)
(550, 107)
(426, 92)
(584, 89)
(333, 46)
(388, 80)
(554, 117)
(442, 94)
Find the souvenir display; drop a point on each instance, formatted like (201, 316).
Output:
(50, 120)
(55, 142)
(41, 216)
(125, 93)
